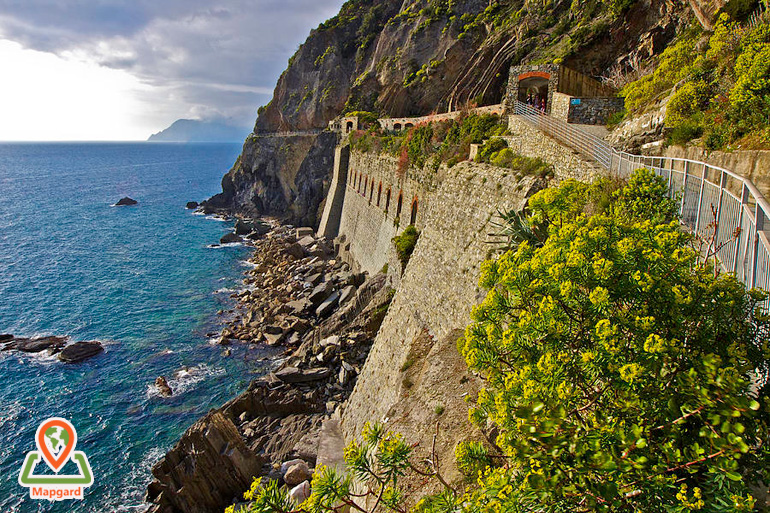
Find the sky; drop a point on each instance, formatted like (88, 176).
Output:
(96, 70)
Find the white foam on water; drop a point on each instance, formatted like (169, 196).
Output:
(185, 379)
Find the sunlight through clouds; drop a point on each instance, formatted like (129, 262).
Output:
(45, 97)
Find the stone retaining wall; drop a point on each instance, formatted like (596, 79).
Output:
(529, 141)
(371, 215)
(440, 283)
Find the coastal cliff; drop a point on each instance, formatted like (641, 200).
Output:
(418, 57)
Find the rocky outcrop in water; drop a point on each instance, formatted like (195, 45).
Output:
(80, 351)
(72, 353)
(126, 202)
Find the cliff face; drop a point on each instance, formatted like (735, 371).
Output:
(432, 55)
(421, 56)
(281, 176)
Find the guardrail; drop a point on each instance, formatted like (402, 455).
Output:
(314, 131)
(724, 209)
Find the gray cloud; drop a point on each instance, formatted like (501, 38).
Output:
(206, 59)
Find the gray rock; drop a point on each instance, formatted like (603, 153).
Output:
(242, 228)
(191, 205)
(163, 387)
(80, 351)
(307, 241)
(273, 339)
(334, 340)
(315, 279)
(303, 232)
(286, 465)
(299, 307)
(347, 293)
(295, 250)
(36, 345)
(320, 293)
(295, 375)
(328, 306)
(230, 238)
(297, 474)
(125, 202)
(300, 493)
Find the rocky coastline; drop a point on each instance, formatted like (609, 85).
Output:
(298, 296)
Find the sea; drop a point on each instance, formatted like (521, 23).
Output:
(148, 281)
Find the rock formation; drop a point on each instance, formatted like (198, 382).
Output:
(80, 351)
(126, 202)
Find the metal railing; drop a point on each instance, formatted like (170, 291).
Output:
(722, 208)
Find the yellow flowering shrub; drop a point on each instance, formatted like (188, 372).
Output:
(648, 397)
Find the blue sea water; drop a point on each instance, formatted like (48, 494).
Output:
(140, 279)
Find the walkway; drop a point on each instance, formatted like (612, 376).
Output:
(723, 209)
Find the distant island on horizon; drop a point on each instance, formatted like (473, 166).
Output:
(193, 130)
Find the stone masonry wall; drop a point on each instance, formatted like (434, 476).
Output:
(440, 283)
(531, 142)
(593, 111)
(370, 215)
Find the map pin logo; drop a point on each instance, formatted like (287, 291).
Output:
(56, 438)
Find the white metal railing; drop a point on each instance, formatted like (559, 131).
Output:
(723, 208)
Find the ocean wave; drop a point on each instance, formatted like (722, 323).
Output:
(228, 245)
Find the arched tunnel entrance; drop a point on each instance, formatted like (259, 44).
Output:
(533, 90)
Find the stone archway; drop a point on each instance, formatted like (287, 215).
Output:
(533, 90)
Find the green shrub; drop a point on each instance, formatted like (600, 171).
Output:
(617, 369)
(685, 132)
(503, 158)
(405, 243)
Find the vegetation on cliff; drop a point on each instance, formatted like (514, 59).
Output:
(432, 143)
(618, 374)
(720, 83)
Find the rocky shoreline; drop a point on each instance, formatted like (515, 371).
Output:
(298, 296)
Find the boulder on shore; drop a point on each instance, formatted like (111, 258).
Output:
(125, 202)
(191, 205)
(80, 351)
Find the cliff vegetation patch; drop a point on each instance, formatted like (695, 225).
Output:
(719, 86)
(431, 143)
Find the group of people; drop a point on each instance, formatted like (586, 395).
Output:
(537, 100)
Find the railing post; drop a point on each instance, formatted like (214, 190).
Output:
(700, 198)
(744, 201)
(759, 224)
(718, 220)
(684, 186)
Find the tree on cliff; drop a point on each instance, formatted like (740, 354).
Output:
(622, 375)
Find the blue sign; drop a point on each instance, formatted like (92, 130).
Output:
(575, 101)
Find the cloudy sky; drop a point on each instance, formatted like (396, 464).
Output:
(123, 69)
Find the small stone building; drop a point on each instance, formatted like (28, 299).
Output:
(562, 92)
(345, 124)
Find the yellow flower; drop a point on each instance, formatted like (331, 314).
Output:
(629, 372)
(599, 296)
(654, 344)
